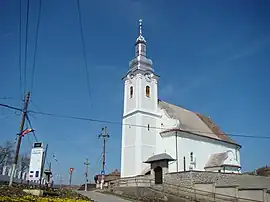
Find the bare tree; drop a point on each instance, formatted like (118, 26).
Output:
(24, 162)
(23, 165)
(6, 153)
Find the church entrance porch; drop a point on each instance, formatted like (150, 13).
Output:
(158, 175)
(159, 164)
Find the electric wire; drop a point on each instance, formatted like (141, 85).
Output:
(35, 48)
(20, 48)
(33, 103)
(84, 53)
(130, 125)
(135, 125)
(5, 98)
(10, 107)
(28, 138)
(29, 121)
(26, 44)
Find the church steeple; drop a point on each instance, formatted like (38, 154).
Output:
(140, 42)
(140, 62)
(140, 107)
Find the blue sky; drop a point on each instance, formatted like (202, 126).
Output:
(212, 56)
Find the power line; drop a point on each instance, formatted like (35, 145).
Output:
(28, 120)
(26, 45)
(35, 49)
(120, 123)
(33, 103)
(84, 52)
(27, 117)
(135, 125)
(10, 107)
(20, 47)
(28, 138)
(5, 98)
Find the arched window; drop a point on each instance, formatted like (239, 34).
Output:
(131, 91)
(191, 156)
(147, 91)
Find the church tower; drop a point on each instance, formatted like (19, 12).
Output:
(140, 115)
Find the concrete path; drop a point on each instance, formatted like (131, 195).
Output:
(100, 197)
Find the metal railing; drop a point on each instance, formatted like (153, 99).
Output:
(179, 191)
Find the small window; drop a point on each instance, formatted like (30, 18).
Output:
(37, 173)
(191, 156)
(147, 91)
(148, 127)
(131, 91)
(143, 48)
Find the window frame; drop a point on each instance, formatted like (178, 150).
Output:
(131, 92)
(191, 156)
(147, 91)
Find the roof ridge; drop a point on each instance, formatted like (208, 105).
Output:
(159, 100)
(208, 123)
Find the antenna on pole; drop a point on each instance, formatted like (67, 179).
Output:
(86, 163)
(103, 135)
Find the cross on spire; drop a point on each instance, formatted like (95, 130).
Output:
(140, 38)
(140, 27)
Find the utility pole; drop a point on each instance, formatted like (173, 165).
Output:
(103, 135)
(24, 113)
(176, 151)
(70, 175)
(86, 174)
(61, 181)
(43, 163)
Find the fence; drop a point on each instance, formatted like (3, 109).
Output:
(179, 191)
(6, 171)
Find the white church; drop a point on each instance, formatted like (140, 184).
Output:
(155, 130)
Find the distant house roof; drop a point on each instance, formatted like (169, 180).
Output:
(159, 157)
(218, 160)
(109, 177)
(264, 171)
(194, 123)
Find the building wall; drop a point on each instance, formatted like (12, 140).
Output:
(147, 104)
(163, 123)
(139, 120)
(186, 178)
(128, 150)
(139, 100)
(37, 155)
(202, 149)
(129, 103)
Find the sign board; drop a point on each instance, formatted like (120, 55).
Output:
(36, 160)
(71, 170)
(37, 144)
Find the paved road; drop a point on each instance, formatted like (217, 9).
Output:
(99, 197)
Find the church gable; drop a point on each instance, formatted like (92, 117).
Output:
(193, 123)
(222, 159)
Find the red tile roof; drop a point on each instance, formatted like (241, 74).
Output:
(194, 123)
(216, 129)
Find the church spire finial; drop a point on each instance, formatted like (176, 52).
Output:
(140, 27)
(140, 38)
